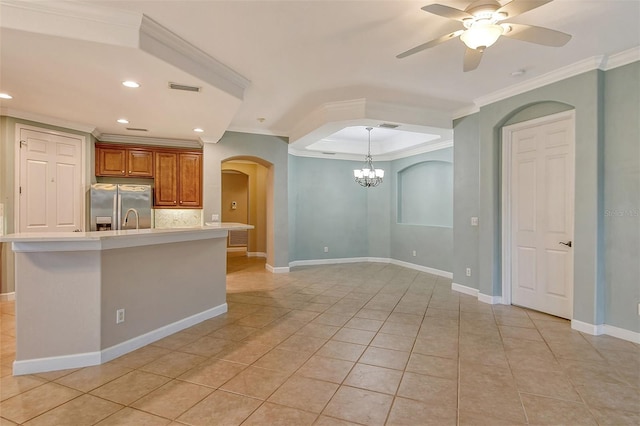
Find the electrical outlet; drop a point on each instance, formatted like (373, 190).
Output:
(326, 249)
(215, 217)
(468, 272)
(119, 316)
(414, 253)
(474, 221)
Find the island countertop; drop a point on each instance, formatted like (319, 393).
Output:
(72, 289)
(104, 240)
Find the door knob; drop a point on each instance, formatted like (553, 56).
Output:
(568, 244)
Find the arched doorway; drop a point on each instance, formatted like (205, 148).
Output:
(244, 198)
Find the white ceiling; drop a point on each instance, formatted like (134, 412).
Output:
(299, 58)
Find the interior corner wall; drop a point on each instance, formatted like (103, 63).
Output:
(330, 210)
(433, 244)
(622, 196)
(583, 92)
(466, 176)
(379, 213)
(271, 149)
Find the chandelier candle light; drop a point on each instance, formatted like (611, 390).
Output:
(368, 175)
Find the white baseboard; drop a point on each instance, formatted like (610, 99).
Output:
(464, 289)
(160, 333)
(491, 300)
(421, 268)
(610, 330)
(65, 362)
(484, 298)
(585, 327)
(256, 254)
(7, 297)
(276, 269)
(315, 262)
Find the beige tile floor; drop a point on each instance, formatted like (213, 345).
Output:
(338, 345)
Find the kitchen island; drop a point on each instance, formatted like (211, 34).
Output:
(85, 298)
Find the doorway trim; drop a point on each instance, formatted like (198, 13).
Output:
(17, 169)
(507, 139)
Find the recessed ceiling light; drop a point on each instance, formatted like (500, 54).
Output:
(130, 83)
(198, 130)
(123, 121)
(5, 96)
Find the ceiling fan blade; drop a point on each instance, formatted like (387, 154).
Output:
(472, 59)
(516, 7)
(447, 12)
(430, 44)
(538, 35)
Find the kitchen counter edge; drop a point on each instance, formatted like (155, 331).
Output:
(105, 240)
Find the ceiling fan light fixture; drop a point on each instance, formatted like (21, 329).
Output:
(481, 35)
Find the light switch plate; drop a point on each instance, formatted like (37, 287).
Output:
(474, 221)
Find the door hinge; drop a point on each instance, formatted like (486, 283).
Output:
(20, 190)
(23, 143)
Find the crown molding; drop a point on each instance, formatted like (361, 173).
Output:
(463, 112)
(144, 140)
(623, 58)
(416, 151)
(601, 62)
(89, 22)
(359, 157)
(563, 73)
(158, 41)
(44, 119)
(254, 131)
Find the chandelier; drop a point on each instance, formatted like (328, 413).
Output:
(368, 175)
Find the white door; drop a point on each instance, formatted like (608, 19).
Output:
(541, 214)
(51, 182)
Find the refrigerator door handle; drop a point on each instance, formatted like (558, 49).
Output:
(117, 207)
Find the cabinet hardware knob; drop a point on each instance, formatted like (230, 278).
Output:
(123, 172)
(129, 171)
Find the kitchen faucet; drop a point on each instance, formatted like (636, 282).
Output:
(126, 218)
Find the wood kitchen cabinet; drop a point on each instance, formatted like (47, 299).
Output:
(178, 179)
(123, 162)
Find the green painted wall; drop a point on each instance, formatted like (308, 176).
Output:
(328, 209)
(466, 204)
(607, 107)
(622, 196)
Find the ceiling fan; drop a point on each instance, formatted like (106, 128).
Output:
(482, 22)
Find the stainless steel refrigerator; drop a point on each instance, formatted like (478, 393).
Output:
(121, 206)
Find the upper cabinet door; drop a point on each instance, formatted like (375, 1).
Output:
(166, 179)
(139, 163)
(190, 180)
(111, 161)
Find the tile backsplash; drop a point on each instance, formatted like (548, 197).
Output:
(176, 218)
